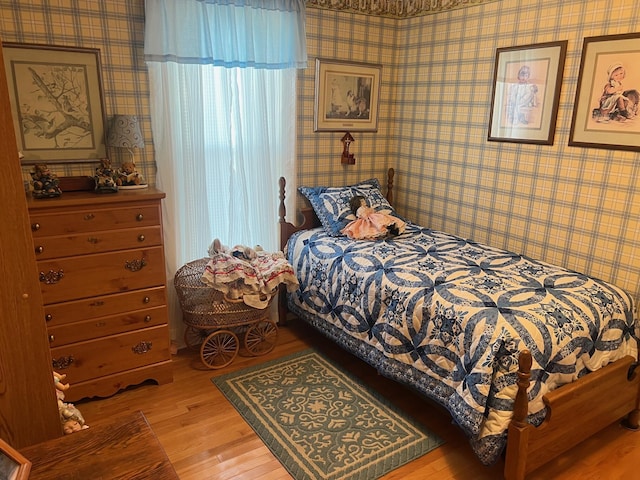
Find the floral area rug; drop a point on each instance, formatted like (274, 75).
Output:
(321, 422)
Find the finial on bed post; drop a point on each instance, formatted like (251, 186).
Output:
(390, 174)
(521, 404)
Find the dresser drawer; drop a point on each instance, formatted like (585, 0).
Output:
(96, 242)
(112, 354)
(89, 219)
(91, 275)
(68, 312)
(103, 326)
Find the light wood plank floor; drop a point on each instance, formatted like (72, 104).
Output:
(205, 438)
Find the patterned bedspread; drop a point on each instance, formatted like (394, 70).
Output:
(449, 317)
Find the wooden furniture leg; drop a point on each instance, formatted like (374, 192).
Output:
(632, 421)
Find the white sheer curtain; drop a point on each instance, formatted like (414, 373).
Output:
(223, 120)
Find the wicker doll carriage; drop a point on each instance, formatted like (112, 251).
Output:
(217, 325)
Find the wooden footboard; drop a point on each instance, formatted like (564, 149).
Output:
(574, 412)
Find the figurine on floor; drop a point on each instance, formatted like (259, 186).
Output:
(45, 184)
(70, 417)
(104, 178)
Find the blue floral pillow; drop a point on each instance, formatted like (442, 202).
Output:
(331, 204)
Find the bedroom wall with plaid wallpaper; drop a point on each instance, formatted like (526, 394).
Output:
(578, 207)
(572, 206)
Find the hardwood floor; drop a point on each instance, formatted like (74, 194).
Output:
(205, 438)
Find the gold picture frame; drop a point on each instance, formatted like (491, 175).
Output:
(13, 466)
(57, 102)
(347, 96)
(605, 111)
(526, 93)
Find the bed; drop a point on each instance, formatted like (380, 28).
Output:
(523, 354)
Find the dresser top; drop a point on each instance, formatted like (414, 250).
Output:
(69, 199)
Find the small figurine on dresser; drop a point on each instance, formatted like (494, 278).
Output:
(127, 177)
(105, 178)
(45, 184)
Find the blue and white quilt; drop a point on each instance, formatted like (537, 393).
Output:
(449, 317)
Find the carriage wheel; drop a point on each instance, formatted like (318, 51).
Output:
(193, 337)
(261, 337)
(219, 349)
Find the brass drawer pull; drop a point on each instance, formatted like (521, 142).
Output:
(147, 318)
(93, 240)
(89, 216)
(35, 227)
(48, 317)
(139, 217)
(135, 265)
(39, 249)
(63, 362)
(52, 338)
(51, 277)
(146, 300)
(141, 238)
(142, 348)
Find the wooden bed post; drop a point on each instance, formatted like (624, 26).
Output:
(632, 420)
(390, 174)
(518, 434)
(282, 291)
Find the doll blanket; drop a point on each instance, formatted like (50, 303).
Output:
(255, 280)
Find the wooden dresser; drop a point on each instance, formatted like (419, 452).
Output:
(101, 270)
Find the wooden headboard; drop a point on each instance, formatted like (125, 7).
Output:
(310, 220)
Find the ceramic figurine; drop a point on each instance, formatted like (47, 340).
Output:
(45, 184)
(105, 178)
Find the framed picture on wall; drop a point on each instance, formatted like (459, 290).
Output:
(526, 93)
(13, 466)
(605, 111)
(346, 96)
(57, 102)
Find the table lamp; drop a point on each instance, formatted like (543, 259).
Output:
(125, 133)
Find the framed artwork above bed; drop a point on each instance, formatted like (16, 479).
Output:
(526, 93)
(605, 112)
(346, 97)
